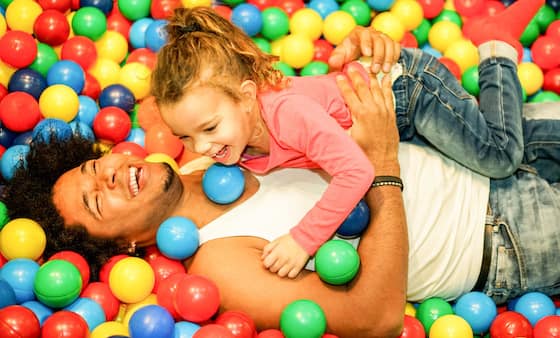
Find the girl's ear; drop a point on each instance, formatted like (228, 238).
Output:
(249, 89)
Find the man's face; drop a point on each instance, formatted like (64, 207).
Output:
(118, 196)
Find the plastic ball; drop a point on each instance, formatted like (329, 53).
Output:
(112, 124)
(143, 56)
(444, 33)
(337, 262)
(548, 326)
(463, 52)
(412, 328)
(105, 71)
(477, 309)
(129, 148)
(163, 158)
(23, 138)
(247, 17)
(20, 111)
(545, 51)
(131, 279)
(308, 22)
(67, 72)
(151, 321)
(51, 27)
(17, 321)
(239, 323)
(359, 10)
(166, 291)
(223, 184)
(41, 311)
(156, 35)
(422, 32)
(109, 329)
(430, 310)
(431, 8)
(450, 326)
(297, 50)
(356, 222)
(184, 329)
(511, 324)
(4, 216)
(337, 26)
(51, 128)
(78, 260)
(213, 331)
(530, 34)
(65, 323)
(452, 66)
(449, 15)
(21, 14)
(323, 7)
(29, 81)
(89, 22)
(177, 237)
(197, 298)
(469, 8)
(163, 9)
(275, 23)
(389, 24)
(108, 266)
(17, 49)
(13, 158)
(89, 310)
(59, 101)
(409, 12)
(22, 238)
(101, 293)
(380, 5)
(551, 80)
(160, 139)
(530, 76)
(323, 50)
(545, 96)
(535, 306)
(112, 45)
(134, 9)
(81, 50)
(303, 318)
(136, 77)
(314, 68)
(19, 273)
(137, 34)
(117, 95)
(57, 283)
(469, 80)
(163, 268)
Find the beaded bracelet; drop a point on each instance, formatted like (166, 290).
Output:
(380, 181)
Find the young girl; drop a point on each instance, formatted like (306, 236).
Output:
(223, 97)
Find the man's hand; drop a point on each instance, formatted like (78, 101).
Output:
(362, 41)
(284, 256)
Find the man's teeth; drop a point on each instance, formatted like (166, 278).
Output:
(133, 180)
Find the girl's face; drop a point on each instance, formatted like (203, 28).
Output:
(211, 123)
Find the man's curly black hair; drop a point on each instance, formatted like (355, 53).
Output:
(28, 194)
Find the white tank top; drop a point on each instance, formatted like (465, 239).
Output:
(445, 207)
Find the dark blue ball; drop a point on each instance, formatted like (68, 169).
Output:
(29, 81)
(104, 5)
(356, 222)
(6, 136)
(117, 95)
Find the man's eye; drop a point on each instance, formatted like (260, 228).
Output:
(94, 167)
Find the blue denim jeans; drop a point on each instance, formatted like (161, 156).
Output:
(431, 104)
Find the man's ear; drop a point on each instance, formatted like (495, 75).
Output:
(249, 89)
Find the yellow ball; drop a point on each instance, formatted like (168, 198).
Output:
(410, 310)
(59, 101)
(276, 46)
(443, 33)
(308, 22)
(136, 76)
(6, 72)
(21, 15)
(112, 45)
(337, 26)
(162, 158)
(131, 279)
(69, 18)
(22, 238)
(297, 50)
(451, 326)
(132, 308)
(463, 52)
(196, 3)
(389, 24)
(105, 71)
(2, 25)
(409, 12)
(109, 329)
(531, 77)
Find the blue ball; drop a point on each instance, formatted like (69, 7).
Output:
(137, 32)
(104, 5)
(185, 329)
(23, 138)
(7, 294)
(223, 184)
(535, 306)
(89, 310)
(477, 309)
(324, 7)
(151, 321)
(83, 130)
(380, 5)
(29, 81)
(117, 95)
(177, 238)
(356, 222)
(69, 73)
(247, 17)
(7, 136)
(52, 128)
(13, 158)
(39, 309)
(137, 135)
(156, 35)
(20, 274)
(87, 110)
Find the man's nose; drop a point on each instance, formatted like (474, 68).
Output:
(108, 177)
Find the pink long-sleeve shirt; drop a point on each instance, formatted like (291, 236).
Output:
(308, 124)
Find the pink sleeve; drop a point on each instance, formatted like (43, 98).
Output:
(306, 127)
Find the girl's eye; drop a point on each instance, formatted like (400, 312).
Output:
(184, 137)
(210, 129)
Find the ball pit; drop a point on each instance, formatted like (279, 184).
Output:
(62, 62)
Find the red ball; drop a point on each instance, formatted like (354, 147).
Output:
(552, 80)
(162, 9)
(159, 139)
(106, 268)
(65, 323)
(151, 252)
(452, 66)
(409, 40)
(60, 5)
(166, 293)
(270, 333)
(19, 111)
(492, 7)
(18, 49)
(17, 321)
(197, 298)
(291, 6)
(263, 4)
(213, 331)
(548, 326)
(112, 124)
(79, 49)
(78, 260)
(118, 22)
(545, 51)
(510, 324)
(469, 8)
(431, 8)
(3, 91)
(92, 88)
(553, 30)
(51, 27)
(129, 148)
(3, 260)
(101, 293)
(412, 328)
(224, 11)
(144, 56)
(165, 267)
(238, 323)
(322, 50)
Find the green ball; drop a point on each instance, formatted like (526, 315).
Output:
(46, 57)
(232, 3)
(545, 96)
(134, 9)
(337, 262)
(57, 283)
(530, 34)
(449, 15)
(430, 310)
(90, 22)
(134, 117)
(359, 9)
(303, 319)
(263, 44)
(285, 68)
(544, 17)
(4, 217)
(275, 23)
(314, 68)
(469, 79)
(422, 31)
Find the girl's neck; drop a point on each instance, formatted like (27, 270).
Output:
(259, 142)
